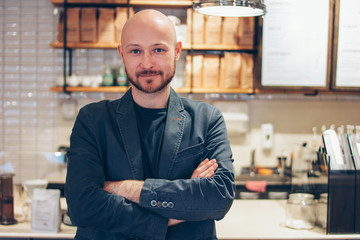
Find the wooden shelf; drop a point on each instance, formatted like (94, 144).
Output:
(96, 45)
(60, 2)
(114, 45)
(176, 3)
(223, 90)
(91, 89)
(219, 47)
(115, 89)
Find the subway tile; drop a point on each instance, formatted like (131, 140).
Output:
(12, 27)
(11, 122)
(32, 104)
(12, 9)
(28, 113)
(11, 77)
(28, 60)
(12, 43)
(11, 95)
(29, 122)
(12, 3)
(29, 43)
(29, 3)
(28, 131)
(28, 77)
(27, 94)
(29, 69)
(29, 35)
(28, 85)
(11, 86)
(11, 18)
(29, 11)
(12, 68)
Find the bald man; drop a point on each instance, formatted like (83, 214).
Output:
(150, 165)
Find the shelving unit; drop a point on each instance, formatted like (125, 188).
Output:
(191, 48)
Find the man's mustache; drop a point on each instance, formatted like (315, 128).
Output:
(148, 72)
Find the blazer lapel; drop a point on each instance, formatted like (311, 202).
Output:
(174, 129)
(126, 120)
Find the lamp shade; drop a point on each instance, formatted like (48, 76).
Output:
(242, 8)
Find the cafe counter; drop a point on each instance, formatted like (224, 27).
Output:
(247, 219)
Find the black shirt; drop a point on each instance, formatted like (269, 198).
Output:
(151, 125)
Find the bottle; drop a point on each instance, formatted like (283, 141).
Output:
(121, 77)
(108, 79)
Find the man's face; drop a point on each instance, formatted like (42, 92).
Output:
(149, 55)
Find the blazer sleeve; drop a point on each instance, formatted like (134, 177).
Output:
(197, 199)
(91, 206)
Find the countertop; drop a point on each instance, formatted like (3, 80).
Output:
(247, 219)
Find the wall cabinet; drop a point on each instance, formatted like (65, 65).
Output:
(191, 47)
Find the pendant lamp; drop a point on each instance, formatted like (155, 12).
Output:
(241, 8)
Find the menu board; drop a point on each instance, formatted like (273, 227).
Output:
(348, 49)
(295, 43)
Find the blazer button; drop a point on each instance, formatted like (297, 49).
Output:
(153, 203)
(170, 204)
(164, 204)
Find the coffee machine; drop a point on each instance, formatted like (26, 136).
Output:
(6, 199)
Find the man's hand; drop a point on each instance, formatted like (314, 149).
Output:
(206, 169)
(129, 189)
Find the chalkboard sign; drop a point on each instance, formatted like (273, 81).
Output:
(296, 44)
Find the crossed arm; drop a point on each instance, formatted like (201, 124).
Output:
(131, 189)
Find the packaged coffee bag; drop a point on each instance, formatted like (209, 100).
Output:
(106, 25)
(212, 29)
(230, 70)
(88, 25)
(120, 19)
(211, 65)
(229, 35)
(246, 31)
(247, 71)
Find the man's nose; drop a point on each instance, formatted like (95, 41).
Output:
(147, 61)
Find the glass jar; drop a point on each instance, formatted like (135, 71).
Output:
(321, 210)
(300, 211)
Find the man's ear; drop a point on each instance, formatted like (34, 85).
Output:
(178, 50)
(120, 52)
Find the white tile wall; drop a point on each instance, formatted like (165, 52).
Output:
(27, 107)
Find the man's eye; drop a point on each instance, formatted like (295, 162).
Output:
(159, 50)
(135, 51)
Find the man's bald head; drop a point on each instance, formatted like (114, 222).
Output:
(152, 20)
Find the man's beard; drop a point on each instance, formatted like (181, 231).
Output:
(151, 90)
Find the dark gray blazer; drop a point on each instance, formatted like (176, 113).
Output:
(105, 146)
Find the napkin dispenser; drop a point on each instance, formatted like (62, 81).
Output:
(341, 184)
(355, 153)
